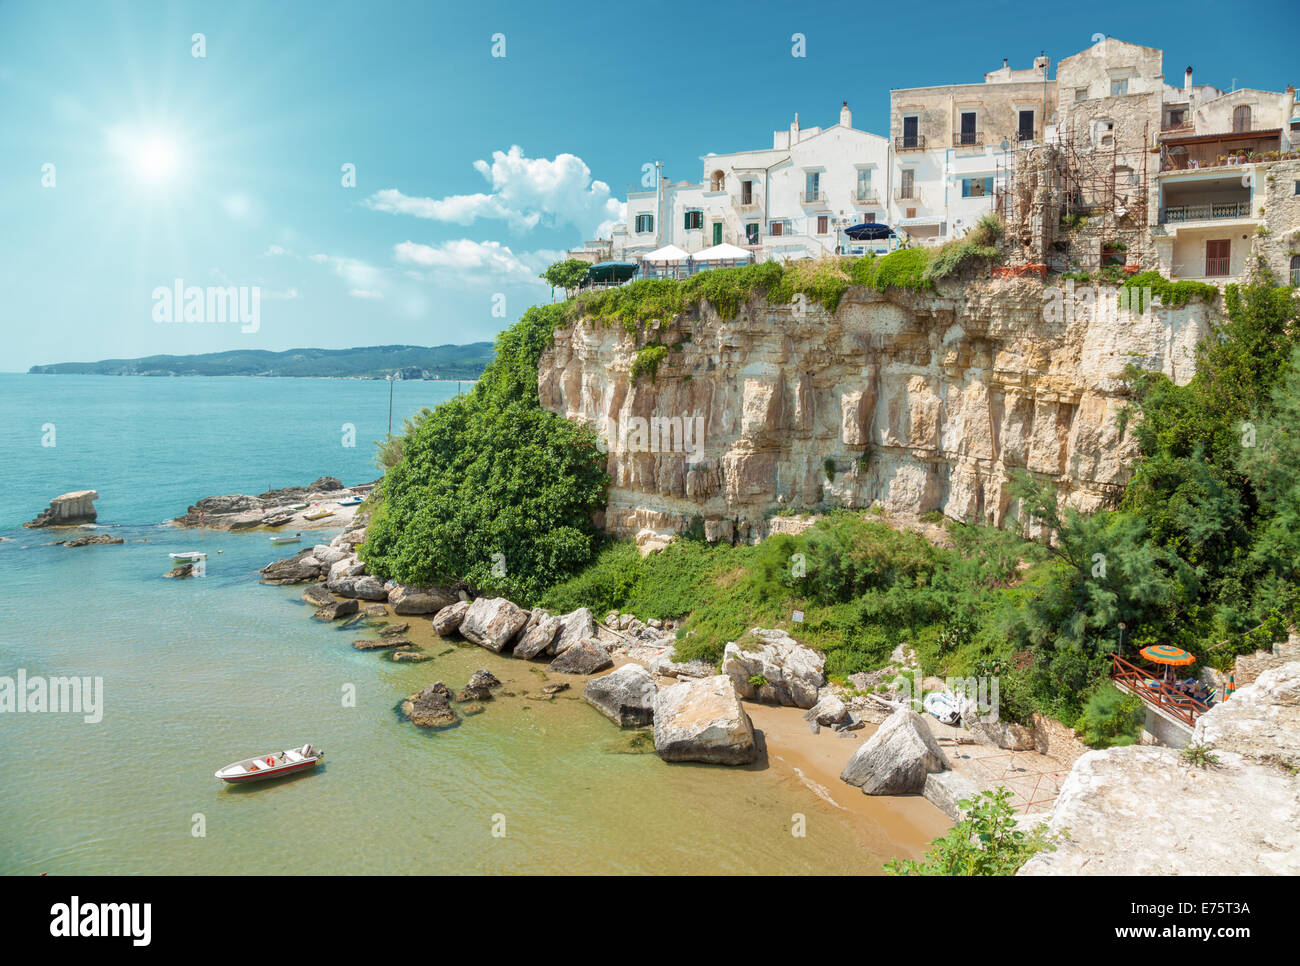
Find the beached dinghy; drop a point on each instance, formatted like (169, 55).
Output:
(287, 762)
(320, 514)
(189, 556)
(286, 538)
(944, 707)
(350, 501)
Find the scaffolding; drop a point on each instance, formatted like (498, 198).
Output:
(1071, 204)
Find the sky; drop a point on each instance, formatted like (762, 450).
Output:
(480, 141)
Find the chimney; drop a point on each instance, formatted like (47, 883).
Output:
(794, 130)
(1187, 81)
(846, 116)
(1004, 63)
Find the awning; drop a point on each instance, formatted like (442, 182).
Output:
(926, 220)
(722, 253)
(611, 271)
(669, 253)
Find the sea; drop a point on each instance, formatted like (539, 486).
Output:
(198, 673)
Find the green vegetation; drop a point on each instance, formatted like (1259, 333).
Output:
(647, 361)
(388, 452)
(1202, 756)
(568, 274)
(491, 489)
(1172, 294)
(367, 362)
(1111, 718)
(986, 842)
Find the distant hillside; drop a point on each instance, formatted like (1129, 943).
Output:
(367, 362)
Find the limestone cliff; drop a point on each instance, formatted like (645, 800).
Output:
(917, 401)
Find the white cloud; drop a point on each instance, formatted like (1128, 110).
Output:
(472, 261)
(525, 192)
(361, 293)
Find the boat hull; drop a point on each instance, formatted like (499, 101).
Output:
(266, 773)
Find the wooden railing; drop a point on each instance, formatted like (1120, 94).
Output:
(1182, 707)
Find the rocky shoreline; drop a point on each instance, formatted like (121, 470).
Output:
(287, 507)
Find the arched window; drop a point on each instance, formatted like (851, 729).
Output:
(717, 181)
(1241, 118)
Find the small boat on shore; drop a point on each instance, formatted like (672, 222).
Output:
(286, 538)
(320, 514)
(261, 767)
(351, 501)
(942, 706)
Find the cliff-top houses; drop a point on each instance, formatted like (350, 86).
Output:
(1104, 163)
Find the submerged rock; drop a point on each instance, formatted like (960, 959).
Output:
(317, 594)
(394, 629)
(92, 540)
(703, 720)
(335, 609)
(409, 655)
(897, 758)
(379, 643)
(585, 657)
(626, 696)
(184, 570)
(431, 708)
(448, 620)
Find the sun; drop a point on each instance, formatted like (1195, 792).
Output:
(154, 159)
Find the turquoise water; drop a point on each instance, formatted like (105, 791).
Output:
(200, 673)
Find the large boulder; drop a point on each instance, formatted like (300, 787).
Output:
(349, 566)
(336, 609)
(625, 696)
(448, 620)
(410, 599)
(329, 555)
(362, 586)
(989, 729)
(585, 657)
(897, 758)
(537, 637)
(301, 567)
(67, 510)
(317, 594)
(828, 711)
(491, 622)
(431, 708)
(1143, 810)
(575, 626)
(772, 667)
(703, 720)
(1260, 721)
(666, 664)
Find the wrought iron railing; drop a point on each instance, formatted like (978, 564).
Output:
(967, 139)
(910, 142)
(1209, 212)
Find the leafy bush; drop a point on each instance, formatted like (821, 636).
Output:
(1111, 718)
(987, 841)
(647, 361)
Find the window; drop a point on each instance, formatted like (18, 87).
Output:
(1295, 263)
(747, 192)
(1241, 118)
(812, 181)
(717, 181)
(1176, 116)
(968, 124)
(1081, 93)
(694, 219)
(645, 224)
(1025, 126)
(976, 187)
(751, 233)
(911, 136)
(776, 228)
(911, 212)
(864, 183)
(823, 224)
(1297, 187)
(1118, 86)
(908, 188)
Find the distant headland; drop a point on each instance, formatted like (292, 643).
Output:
(366, 362)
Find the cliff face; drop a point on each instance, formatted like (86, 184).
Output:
(919, 402)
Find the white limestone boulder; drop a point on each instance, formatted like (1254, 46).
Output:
(703, 720)
(772, 667)
(897, 758)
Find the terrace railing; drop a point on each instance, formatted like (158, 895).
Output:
(1210, 212)
(910, 142)
(1183, 708)
(967, 139)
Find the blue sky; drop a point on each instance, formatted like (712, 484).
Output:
(472, 171)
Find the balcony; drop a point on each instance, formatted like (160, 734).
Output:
(907, 194)
(1217, 266)
(1210, 212)
(867, 199)
(1178, 127)
(817, 197)
(910, 142)
(968, 139)
(748, 204)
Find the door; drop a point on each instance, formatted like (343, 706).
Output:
(967, 127)
(1026, 129)
(909, 132)
(717, 233)
(909, 184)
(1217, 252)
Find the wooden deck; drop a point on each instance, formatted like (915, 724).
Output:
(1181, 708)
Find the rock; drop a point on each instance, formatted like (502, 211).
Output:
(67, 510)
(329, 556)
(703, 720)
(392, 629)
(408, 655)
(92, 540)
(1260, 721)
(575, 626)
(555, 687)
(349, 566)
(375, 610)
(409, 599)
(625, 696)
(944, 789)
(292, 570)
(379, 643)
(537, 638)
(793, 673)
(362, 586)
(317, 594)
(830, 710)
(896, 759)
(668, 665)
(585, 657)
(1142, 810)
(431, 708)
(447, 621)
(491, 622)
(479, 687)
(988, 729)
(335, 609)
(184, 570)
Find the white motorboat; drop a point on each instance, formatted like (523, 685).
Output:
(286, 538)
(274, 765)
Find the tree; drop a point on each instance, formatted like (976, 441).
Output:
(986, 841)
(568, 275)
